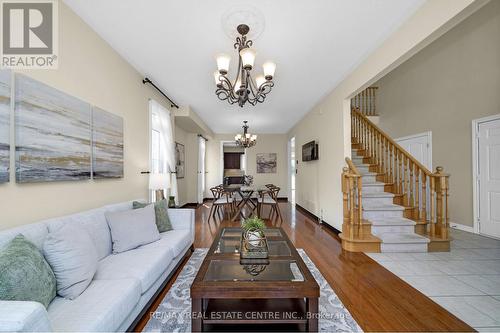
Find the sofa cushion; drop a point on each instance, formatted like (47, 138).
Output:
(73, 257)
(94, 223)
(176, 240)
(161, 214)
(132, 228)
(35, 233)
(103, 306)
(24, 273)
(145, 265)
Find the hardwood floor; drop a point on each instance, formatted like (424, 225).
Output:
(377, 299)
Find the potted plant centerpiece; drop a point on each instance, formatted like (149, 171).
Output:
(254, 244)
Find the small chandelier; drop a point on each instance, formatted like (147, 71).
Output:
(246, 140)
(244, 88)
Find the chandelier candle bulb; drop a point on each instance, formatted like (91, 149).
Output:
(260, 80)
(269, 69)
(247, 58)
(217, 78)
(223, 63)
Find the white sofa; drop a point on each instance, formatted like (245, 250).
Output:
(122, 286)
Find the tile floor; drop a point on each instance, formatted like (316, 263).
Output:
(465, 281)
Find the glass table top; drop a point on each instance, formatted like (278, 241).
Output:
(232, 270)
(230, 242)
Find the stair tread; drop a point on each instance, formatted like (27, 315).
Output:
(378, 195)
(382, 207)
(401, 238)
(392, 221)
(373, 184)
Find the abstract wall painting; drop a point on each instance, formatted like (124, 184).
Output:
(4, 125)
(52, 134)
(266, 163)
(180, 160)
(107, 145)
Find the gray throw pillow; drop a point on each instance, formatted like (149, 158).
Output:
(132, 228)
(24, 273)
(161, 214)
(73, 257)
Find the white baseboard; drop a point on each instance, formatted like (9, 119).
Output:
(462, 227)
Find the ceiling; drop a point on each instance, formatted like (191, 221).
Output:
(315, 44)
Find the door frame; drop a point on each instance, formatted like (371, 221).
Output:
(475, 168)
(428, 135)
(221, 161)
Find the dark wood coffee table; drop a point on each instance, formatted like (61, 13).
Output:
(280, 294)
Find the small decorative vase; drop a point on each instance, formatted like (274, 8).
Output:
(171, 202)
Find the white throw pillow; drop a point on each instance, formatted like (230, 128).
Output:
(73, 257)
(132, 228)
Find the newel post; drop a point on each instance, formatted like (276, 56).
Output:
(442, 195)
(346, 228)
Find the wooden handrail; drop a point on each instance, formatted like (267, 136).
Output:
(352, 167)
(423, 193)
(388, 138)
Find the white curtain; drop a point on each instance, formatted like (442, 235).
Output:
(167, 136)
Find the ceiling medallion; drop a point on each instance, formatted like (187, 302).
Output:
(246, 140)
(244, 88)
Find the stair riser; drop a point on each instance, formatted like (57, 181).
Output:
(363, 169)
(404, 247)
(399, 229)
(377, 201)
(373, 189)
(375, 215)
(369, 178)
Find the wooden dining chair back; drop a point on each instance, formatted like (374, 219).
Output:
(222, 201)
(269, 198)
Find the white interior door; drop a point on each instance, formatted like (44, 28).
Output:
(201, 169)
(419, 146)
(489, 178)
(291, 170)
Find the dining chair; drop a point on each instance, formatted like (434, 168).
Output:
(269, 197)
(222, 201)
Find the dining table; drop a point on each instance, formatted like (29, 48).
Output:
(246, 193)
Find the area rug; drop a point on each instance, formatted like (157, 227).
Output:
(173, 314)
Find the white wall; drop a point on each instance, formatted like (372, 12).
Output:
(442, 89)
(90, 70)
(187, 187)
(266, 143)
(318, 184)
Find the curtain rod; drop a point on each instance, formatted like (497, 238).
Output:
(201, 136)
(172, 103)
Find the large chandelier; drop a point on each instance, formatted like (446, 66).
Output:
(243, 89)
(246, 139)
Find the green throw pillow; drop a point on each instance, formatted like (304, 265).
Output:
(161, 212)
(24, 273)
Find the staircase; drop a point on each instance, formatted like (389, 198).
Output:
(396, 232)
(392, 203)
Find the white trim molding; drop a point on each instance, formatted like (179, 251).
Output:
(462, 227)
(475, 167)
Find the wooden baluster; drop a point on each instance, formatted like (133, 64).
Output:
(418, 174)
(351, 203)
(387, 161)
(411, 188)
(391, 163)
(432, 230)
(400, 172)
(423, 211)
(407, 183)
(360, 207)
